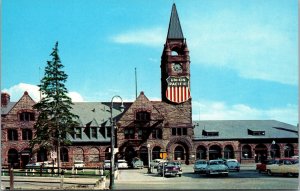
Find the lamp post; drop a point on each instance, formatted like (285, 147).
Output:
(112, 142)
(149, 168)
(273, 149)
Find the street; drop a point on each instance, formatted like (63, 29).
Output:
(137, 179)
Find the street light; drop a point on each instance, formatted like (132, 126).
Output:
(112, 143)
(273, 149)
(149, 168)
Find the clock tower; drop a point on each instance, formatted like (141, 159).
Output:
(175, 64)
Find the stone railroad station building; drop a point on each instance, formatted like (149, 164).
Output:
(164, 128)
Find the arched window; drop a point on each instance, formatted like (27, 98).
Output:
(179, 153)
(246, 151)
(201, 152)
(214, 152)
(228, 152)
(78, 154)
(94, 155)
(64, 156)
(42, 155)
(275, 151)
(288, 150)
(156, 152)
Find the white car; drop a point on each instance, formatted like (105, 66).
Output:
(79, 164)
(233, 165)
(122, 164)
(156, 162)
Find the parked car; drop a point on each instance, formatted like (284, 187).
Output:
(200, 166)
(216, 167)
(283, 166)
(106, 164)
(122, 163)
(79, 164)
(33, 165)
(169, 169)
(154, 163)
(233, 165)
(261, 167)
(137, 163)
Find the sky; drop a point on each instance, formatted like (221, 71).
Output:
(244, 53)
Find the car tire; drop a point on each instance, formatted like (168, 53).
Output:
(269, 172)
(179, 175)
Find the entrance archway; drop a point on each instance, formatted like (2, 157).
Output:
(261, 153)
(179, 153)
(201, 152)
(13, 158)
(42, 155)
(25, 157)
(228, 152)
(214, 152)
(156, 152)
(288, 150)
(144, 155)
(129, 154)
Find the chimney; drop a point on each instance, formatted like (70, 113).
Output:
(5, 99)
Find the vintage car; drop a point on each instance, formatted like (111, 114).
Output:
(122, 164)
(283, 166)
(154, 163)
(169, 169)
(216, 167)
(137, 163)
(233, 165)
(78, 164)
(200, 166)
(261, 167)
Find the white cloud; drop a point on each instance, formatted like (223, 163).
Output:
(214, 110)
(147, 37)
(18, 90)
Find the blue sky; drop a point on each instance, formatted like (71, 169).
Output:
(244, 53)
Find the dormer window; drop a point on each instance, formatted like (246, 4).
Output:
(142, 116)
(256, 133)
(26, 116)
(210, 133)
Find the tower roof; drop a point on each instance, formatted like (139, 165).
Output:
(174, 31)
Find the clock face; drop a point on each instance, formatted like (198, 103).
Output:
(177, 67)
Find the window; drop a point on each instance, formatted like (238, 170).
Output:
(26, 116)
(142, 134)
(179, 131)
(157, 134)
(210, 133)
(12, 134)
(77, 133)
(256, 133)
(143, 116)
(129, 133)
(26, 134)
(94, 132)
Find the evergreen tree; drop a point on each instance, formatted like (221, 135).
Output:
(55, 118)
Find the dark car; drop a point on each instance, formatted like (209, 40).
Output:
(169, 169)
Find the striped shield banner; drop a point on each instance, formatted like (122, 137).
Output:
(178, 89)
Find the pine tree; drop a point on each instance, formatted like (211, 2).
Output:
(55, 118)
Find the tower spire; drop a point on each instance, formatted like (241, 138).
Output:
(174, 31)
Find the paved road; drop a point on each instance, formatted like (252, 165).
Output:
(138, 179)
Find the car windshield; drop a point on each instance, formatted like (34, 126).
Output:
(200, 162)
(215, 162)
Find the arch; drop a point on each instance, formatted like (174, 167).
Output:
(261, 152)
(228, 152)
(201, 152)
(42, 155)
(25, 156)
(64, 154)
(185, 143)
(13, 157)
(214, 152)
(94, 155)
(156, 152)
(246, 151)
(275, 151)
(78, 154)
(288, 150)
(129, 154)
(179, 153)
